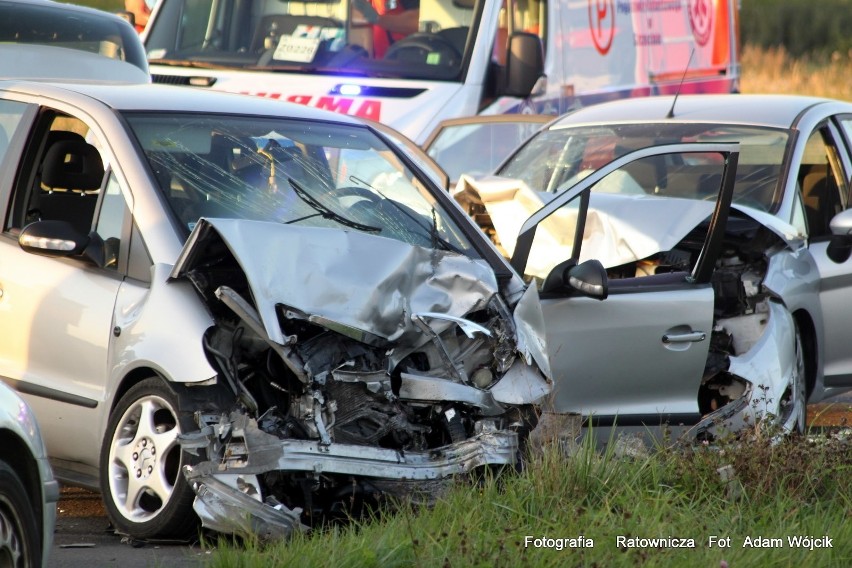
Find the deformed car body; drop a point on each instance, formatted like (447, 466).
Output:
(267, 297)
(28, 491)
(758, 334)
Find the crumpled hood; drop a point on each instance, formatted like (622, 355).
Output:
(360, 281)
(621, 228)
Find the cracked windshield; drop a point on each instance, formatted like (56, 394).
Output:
(404, 39)
(291, 172)
(559, 158)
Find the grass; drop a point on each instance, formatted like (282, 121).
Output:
(778, 491)
(775, 71)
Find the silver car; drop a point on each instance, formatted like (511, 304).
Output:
(42, 39)
(256, 310)
(708, 322)
(28, 491)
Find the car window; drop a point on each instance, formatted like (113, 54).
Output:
(822, 183)
(11, 113)
(632, 227)
(111, 221)
(478, 145)
(65, 179)
(846, 125)
(292, 172)
(85, 30)
(557, 158)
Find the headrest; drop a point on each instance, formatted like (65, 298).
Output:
(72, 164)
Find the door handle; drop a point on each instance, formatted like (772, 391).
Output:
(690, 337)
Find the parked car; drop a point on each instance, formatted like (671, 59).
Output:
(757, 326)
(43, 40)
(28, 491)
(272, 299)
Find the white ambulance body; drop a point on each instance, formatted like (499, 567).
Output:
(467, 57)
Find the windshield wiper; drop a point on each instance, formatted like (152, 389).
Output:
(324, 211)
(432, 230)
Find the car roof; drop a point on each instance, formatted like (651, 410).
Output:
(778, 111)
(168, 98)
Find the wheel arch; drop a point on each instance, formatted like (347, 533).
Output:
(807, 330)
(208, 396)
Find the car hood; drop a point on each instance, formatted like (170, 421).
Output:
(363, 286)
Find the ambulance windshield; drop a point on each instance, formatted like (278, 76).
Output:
(423, 39)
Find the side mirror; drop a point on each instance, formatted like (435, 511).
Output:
(524, 64)
(61, 239)
(840, 247)
(588, 278)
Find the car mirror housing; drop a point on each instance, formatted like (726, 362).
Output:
(588, 278)
(524, 64)
(840, 247)
(52, 238)
(841, 224)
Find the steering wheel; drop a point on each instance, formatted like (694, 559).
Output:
(417, 47)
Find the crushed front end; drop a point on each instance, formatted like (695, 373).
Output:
(361, 368)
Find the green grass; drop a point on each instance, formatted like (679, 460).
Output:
(796, 488)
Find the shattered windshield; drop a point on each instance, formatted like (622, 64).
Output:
(557, 158)
(293, 172)
(425, 39)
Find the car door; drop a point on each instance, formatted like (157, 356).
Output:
(638, 352)
(56, 314)
(825, 178)
(476, 145)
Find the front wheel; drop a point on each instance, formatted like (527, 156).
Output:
(20, 545)
(793, 409)
(144, 490)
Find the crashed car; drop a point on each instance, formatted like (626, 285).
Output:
(46, 40)
(28, 491)
(258, 310)
(718, 310)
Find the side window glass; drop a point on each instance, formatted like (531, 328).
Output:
(821, 182)
(647, 218)
(11, 113)
(798, 217)
(111, 222)
(846, 125)
(65, 180)
(519, 16)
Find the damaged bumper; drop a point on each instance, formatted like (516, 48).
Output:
(229, 497)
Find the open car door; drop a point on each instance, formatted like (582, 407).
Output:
(628, 339)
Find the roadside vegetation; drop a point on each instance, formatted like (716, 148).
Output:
(748, 488)
(774, 70)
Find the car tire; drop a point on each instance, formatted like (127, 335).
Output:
(20, 530)
(144, 491)
(793, 408)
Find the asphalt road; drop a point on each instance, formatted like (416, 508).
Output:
(83, 538)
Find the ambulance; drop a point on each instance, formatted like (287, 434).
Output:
(412, 64)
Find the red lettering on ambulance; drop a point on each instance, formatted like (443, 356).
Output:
(333, 104)
(299, 99)
(370, 109)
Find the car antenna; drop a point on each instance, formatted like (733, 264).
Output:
(680, 86)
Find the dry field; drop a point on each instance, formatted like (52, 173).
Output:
(774, 71)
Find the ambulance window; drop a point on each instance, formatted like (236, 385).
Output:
(527, 16)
